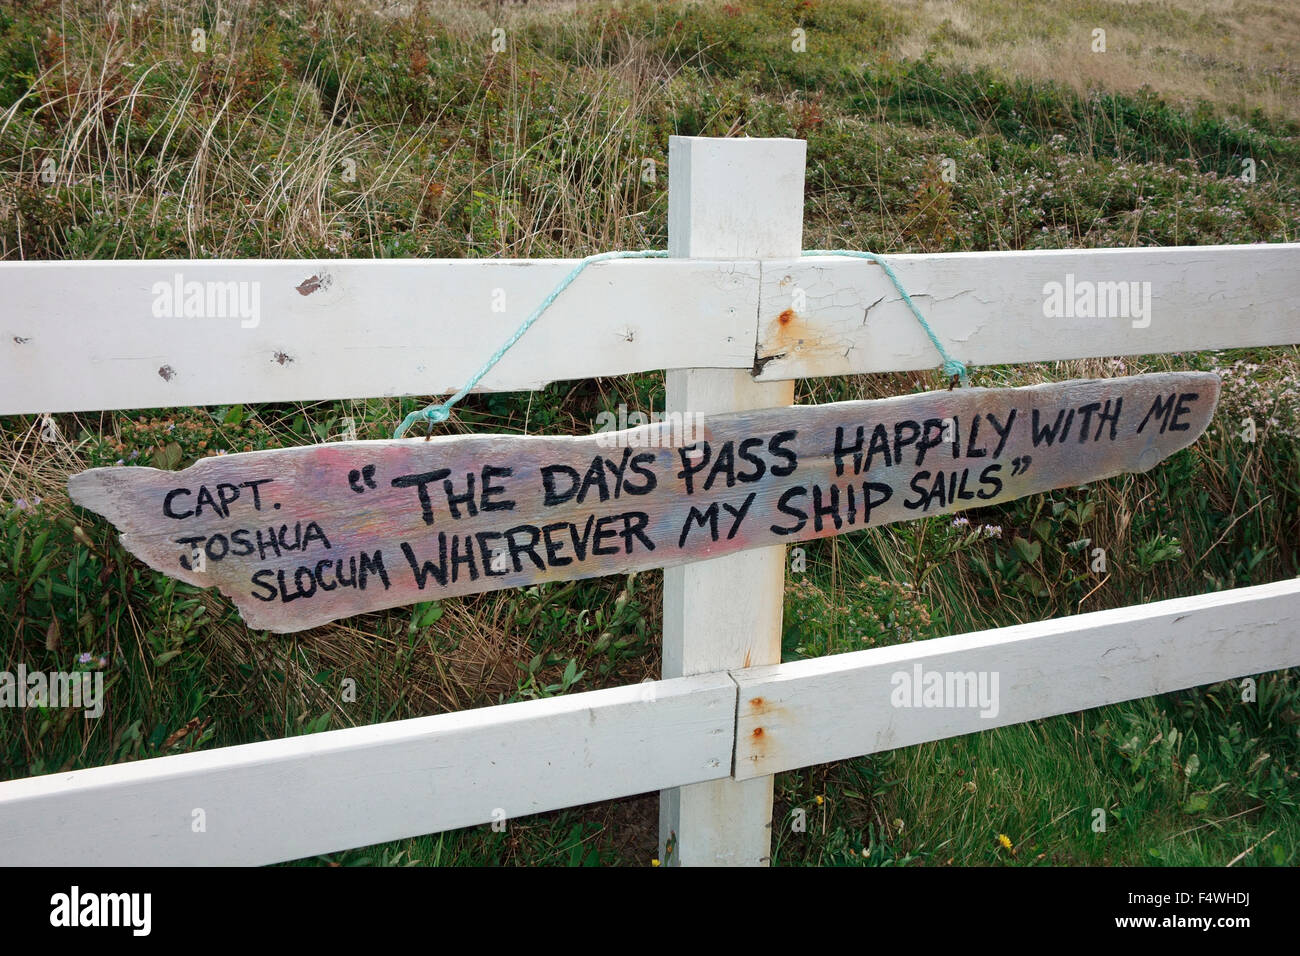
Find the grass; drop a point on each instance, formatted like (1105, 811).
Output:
(321, 129)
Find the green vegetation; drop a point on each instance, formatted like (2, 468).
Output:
(322, 129)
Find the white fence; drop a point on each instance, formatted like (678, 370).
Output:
(721, 316)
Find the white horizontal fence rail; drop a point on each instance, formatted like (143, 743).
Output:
(291, 798)
(301, 796)
(807, 712)
(824, 315)
(79, 336)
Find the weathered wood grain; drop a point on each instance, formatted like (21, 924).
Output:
(301, 536)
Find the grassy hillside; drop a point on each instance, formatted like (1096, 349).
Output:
(333, 129)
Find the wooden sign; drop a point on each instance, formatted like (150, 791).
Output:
(301, 536)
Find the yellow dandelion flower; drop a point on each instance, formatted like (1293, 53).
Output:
(819, 800)
(654, 862)
(1005, 841)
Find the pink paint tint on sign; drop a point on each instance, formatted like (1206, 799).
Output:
(301, 536)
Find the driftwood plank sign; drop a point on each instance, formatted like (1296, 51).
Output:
(301, 536)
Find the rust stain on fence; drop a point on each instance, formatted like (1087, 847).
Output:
(760, 707)
(787, 333)
(817, 346)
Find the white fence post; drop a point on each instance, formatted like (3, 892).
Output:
(743, 199)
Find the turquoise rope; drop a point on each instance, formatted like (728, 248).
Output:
(441, 412)
(950, 365)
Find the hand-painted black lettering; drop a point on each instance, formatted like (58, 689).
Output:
(486, 503)
(554, 496)
(776, 446)
(785, 506)
(637, 464)
(738, 514)
(421, 482)
(1180, 410)
(1160, 409)
(708, 516)
(172, 495)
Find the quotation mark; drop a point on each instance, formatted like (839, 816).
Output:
(366, 474)
(1020, 465)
